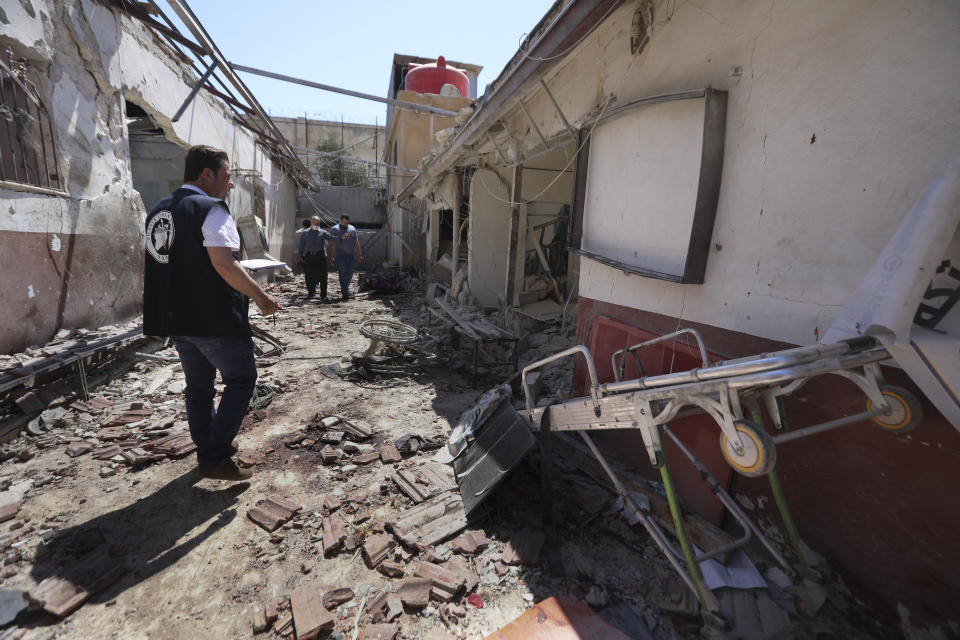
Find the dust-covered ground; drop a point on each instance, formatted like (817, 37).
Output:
(197, 566)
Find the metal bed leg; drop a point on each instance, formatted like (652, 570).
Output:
(781, 501)
(693, 582)
(749, 528)
(554, 561)
(692, 565)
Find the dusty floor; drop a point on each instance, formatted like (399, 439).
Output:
(198, 566)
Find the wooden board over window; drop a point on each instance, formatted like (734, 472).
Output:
(652, 185)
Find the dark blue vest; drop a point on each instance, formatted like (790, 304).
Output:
(182, 293)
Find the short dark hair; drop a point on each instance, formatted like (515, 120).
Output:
(202, 157)
(305, 223)
(344, 216)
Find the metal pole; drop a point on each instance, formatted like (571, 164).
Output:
(563, 118)
(513, 240)
(534, 125)
(781, 501)
(346, 92)
(196, 89)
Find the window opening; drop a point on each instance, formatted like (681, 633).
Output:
(28, 155)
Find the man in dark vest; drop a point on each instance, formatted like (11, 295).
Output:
(196, 292)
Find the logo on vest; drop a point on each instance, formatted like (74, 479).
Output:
(160, 236)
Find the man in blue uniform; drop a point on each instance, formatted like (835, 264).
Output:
(310, 253)
(196, 292)
(345, 252)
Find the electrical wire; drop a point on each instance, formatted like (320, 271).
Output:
(571, 47)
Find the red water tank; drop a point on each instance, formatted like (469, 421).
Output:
(430, 78)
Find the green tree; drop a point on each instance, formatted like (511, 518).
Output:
(339, 170)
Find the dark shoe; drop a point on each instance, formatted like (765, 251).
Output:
(226, 470)
(310, 295)
(324, 299)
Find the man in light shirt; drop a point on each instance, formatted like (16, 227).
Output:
(196, 292)
(345, 252)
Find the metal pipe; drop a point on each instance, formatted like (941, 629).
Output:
(781, 502)
(774, 368)
(748, 526)
(685, 545)
(827, 426)
(563, 118)
(546, 145)
(563, 318)
(655, 532)
(663, 338)
(190, 20)
(347, 92)
(193, 92)
(591, 369)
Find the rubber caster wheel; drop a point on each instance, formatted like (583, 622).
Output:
(759, 452)
(905, 413)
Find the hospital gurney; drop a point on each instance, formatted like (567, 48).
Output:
(731, 392)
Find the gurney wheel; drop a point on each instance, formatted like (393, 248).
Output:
(759, 453)
(905, 410)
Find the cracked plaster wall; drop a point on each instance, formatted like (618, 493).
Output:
(77, 261)
(799, 222)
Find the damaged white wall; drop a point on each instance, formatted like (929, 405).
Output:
(76, 260)
(838, 116)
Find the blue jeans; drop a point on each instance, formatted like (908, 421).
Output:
(345, 263)
(213, 430)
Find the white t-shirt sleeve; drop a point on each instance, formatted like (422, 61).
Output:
(219, 229)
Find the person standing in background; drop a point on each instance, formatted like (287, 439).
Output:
(345, 252)
(310, 251)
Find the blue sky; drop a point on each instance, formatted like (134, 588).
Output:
(351, 45)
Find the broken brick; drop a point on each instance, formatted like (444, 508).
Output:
(389, 453)
(9, 509)
(79, 448)
(475, 600)
(273, 512)
(310, 617)
(366, 458)
(334, 534)
(391, 569)
(330, 502)
(329, 455)
(334, 598)
(376, 548)
(332, 437)
(415, 592)
(446, 584)
(470, 542)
